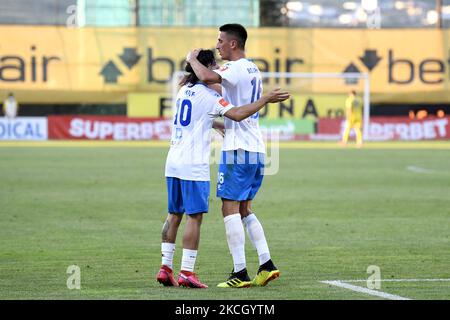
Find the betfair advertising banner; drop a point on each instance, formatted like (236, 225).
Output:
(105, 64)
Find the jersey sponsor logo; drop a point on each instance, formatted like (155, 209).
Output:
(223, 102)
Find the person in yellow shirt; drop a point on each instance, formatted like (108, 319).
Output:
(353, 115)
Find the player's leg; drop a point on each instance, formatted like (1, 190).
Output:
(235, 233)
(168, 240)
(358, 133)
(255, 231)
(191, 237)
(170, 227)
(169, 232)
(251, 223)
(267, 270)
(196, 197)
(346, 133)
(236, 244)
(231, 188)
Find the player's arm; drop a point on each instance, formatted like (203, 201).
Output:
(216, 87)
(243, 112)
(219, 127)
(203, 73)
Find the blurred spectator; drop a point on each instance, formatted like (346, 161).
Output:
(10, 106)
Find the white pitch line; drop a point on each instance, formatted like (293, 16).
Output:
(365, 290)
(418, 169)
(400, 280)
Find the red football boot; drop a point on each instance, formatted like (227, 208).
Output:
(165, 277)
(190, 280)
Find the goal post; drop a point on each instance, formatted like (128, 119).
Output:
(327, 90)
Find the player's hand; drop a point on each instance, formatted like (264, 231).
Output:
(276, 95)
(192, 55)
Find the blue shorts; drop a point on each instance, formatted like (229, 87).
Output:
(186, 196)
(240, 175)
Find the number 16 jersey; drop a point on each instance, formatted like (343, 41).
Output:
(241, 85)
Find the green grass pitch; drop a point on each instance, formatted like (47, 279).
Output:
(328, 214)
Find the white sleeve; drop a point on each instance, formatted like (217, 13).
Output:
(221, 106)
(228, 73)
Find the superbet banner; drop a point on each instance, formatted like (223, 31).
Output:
(108, 128)
(411, 130)
(390, 128)
(122, 128)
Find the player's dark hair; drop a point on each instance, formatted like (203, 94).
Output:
(206, 58)
(237, 31)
